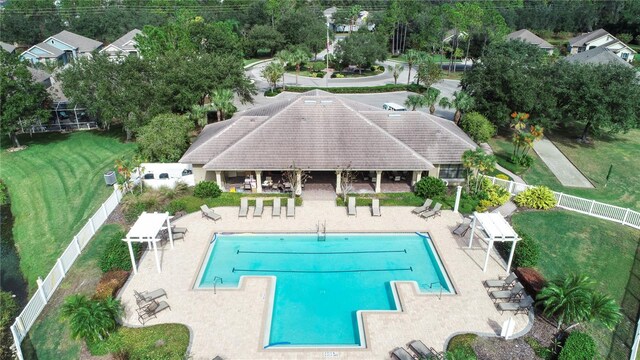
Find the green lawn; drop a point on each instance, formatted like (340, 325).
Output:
(575, 243)
(55, 185)
(593, 160)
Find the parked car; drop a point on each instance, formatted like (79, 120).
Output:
(393, 107)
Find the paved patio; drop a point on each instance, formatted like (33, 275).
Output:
(230, 323)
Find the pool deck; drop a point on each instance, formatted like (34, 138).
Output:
(231, 322)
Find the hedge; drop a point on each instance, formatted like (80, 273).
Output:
(579, 346)
(355, 89)
(116, 254)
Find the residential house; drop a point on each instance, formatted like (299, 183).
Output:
(325, 134)
(454, 34)
(7, 47)
(358, 23)
(601, 38)
(124, 46)
(599, 55)
(531, 38)
(62, 47)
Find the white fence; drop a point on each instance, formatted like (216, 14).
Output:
(46, 287)
(584, 206)
(636, 343)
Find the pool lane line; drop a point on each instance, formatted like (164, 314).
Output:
(322, 253)
(319, 271)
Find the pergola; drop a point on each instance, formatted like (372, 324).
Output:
(494, 228)
(146, 229)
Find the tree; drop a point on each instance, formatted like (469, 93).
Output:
(354, 14)
(200, 114)
(525, 134)
(395, 70)
(415, 101)
(297, 57)
(361, 48)
(284, 56)
(92, 320)
(411, 57)
(462, 102)
(29, 21)
(297, 182)
(22, 101)
(574, 300)
(264, 37)
(429, 72)
(272, 73)
(222, 100)
(477, 162)
(165, 138)
(347, 178)
(430, 99)
(478, 127)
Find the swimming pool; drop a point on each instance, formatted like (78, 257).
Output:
(322, 284)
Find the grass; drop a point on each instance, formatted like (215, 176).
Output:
(50, 337)
(466, 206)
(575, 243)
(462, 345)
(55, 185)
(233, 199)
(435, 57)
(593, 160)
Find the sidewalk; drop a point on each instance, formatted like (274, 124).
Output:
(560, 166)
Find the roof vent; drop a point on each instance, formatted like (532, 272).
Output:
(394, 115)
(310, 101)
(326, 101)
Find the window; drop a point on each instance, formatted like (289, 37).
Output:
(625, 56)
(592, 47)
(451, 171)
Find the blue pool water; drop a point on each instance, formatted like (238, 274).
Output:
(321, 285)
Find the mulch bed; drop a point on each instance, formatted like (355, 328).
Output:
(501, 349)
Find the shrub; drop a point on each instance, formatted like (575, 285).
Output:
(339, 76)
(165, 138)
(522, 160)
(539, 197)
(478, 127)
(362, 89)
(132, 211)
(92, 320)
(527, 252)
(579, 346)
(110, 283)
(207, 189)
(116, 254)
(8, 312)
(430, 187)
(176, 205)
(502, 177)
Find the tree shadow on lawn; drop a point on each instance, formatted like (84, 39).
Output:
(570, 137)
(37, 139)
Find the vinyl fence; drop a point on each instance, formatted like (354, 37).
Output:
(46, 287)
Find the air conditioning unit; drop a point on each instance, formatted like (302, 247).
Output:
(110, 178)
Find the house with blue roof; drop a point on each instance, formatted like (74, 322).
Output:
(62, 47)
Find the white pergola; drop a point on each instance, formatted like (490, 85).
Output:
(494, 228)
(146, 229)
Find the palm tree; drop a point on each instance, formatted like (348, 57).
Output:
(462, 102)
(411, 57)
(222, 100)
(272, 73)
(354, 14)
(91, 320)
(284, 56)
(422, 59)
(199, 114)
(395, 71)
(414, 101)
(430, 99)
(298, 57)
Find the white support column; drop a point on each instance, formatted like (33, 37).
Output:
(258, 181)
(458, 194)
(155, 254)
(513, 250)
(219, 180)
(417, 175)
(378, 180)
(133, 259)
(338, 181)
(169, 232)
(486, 259)
(298, 182)
(473, 231)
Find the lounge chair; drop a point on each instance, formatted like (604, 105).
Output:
(244, 207)
(401, 354)
(515, 291)
(291, 207)
(423, 208)
(522, 305)
(257, 212)
(463, 228)
(150, 311)
(209, 213)
(351, 208)
(375, 207)
(431, 213)
(277, 207)
(179, 230)
(502, 283)
(147, 296)
(423, 351)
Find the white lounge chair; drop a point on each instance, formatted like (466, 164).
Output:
(522, 305)
(375, 207)
(463, 228)
(423, 351)
(515, 292)
(502, 283)
(244, 207)
(401, 354)
(257, 212)
(209, 213)
(291, 207)
(423, 208)
(351, 208)
(432, 213)
(277, 207)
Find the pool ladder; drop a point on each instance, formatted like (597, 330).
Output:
(215, 281)
(439, 285)
(321, 229)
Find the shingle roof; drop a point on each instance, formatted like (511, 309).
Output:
(7, 47)
(52, 51)
(529, 37)
(120, 43)
(84, 44)
(581, 39)
(599, 55)
(320, 131)
(38, 75)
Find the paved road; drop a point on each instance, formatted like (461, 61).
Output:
(559, 165)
